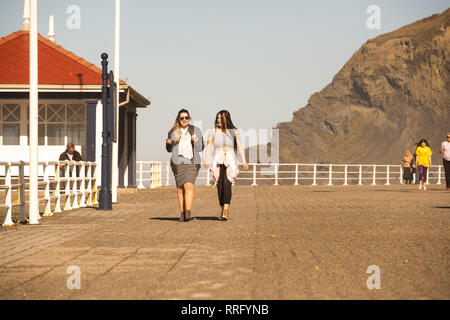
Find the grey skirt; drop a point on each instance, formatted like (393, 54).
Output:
(184, 173)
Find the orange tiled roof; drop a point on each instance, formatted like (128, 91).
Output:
(56, 65)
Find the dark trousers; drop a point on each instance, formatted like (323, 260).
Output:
(447, 172)
(224, 186)
(423, 173)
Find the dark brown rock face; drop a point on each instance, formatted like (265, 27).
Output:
(392, 92)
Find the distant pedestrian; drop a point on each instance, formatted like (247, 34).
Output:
(445, 150)
(70, 154)
(415, 170)
(423, 162)
(185, 142)
(226, 140)
(407, 168)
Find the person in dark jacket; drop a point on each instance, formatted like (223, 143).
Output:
(185, 142)
(69, 154)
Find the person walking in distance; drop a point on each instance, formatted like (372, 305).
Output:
(185, 142)
(445, 150)
(407, 168)
(423, 162)
(226, 140)
(415, 170)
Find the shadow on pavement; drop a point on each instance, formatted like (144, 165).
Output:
(178, 219)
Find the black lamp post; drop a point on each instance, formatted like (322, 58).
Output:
(105, 196)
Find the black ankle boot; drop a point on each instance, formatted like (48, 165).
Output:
(188, 215)
(183, 217)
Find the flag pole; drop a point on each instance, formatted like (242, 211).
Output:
(34, 202)
(115, 145)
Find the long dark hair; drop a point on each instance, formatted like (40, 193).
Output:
(225, 120)
(226, 124)
(426, 143)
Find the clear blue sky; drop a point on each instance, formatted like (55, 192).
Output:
(260, 59)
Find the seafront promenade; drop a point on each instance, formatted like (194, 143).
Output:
(282, 242)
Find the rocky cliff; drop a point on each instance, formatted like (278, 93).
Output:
(392, 92)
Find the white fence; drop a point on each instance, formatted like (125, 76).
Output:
(79, 186)
(153, 174)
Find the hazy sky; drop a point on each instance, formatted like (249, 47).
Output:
(260, 59)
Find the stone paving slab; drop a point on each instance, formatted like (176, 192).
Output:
(284, 242)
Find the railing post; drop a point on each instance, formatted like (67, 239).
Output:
(75, 204)
(439, 175)
(276, 175)
(8, 220)
(83, 185)
(387, 176)
(314, 175)
(401, 175)
(57, 191)
(141, 185)
(89, 185)
(296, 175)
(360, 175)
(152, 175)
(95, 189)
(23, 200)
(345, 175)
(428, 177)
(208, 177)
(168, 173)
(254, 175)
(47, 212)
(374, 182)
(330, 175)
(159, 174)
(67, 206)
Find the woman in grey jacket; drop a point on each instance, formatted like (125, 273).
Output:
(185, 142)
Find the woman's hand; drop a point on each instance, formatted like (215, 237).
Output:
(168, 141)
(206, 164)
(194, 138)
(245, 165)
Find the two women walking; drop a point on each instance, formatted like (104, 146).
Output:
(185, 142)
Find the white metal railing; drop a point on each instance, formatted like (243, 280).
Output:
(153, 174)
(79, 186)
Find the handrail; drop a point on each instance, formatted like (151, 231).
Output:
(77, 182)
(154, 174)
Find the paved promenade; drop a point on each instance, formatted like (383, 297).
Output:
(285, 242)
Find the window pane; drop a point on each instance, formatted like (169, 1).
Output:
(75, 134)
(41, 134)
(11, 134)
(11, 112)
(55, 133)
(56, 112)
(75, 113)
(41, 112)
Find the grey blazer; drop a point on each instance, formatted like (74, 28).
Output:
(197, 146)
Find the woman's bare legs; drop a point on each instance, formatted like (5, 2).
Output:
(188, 195)
(181, 202)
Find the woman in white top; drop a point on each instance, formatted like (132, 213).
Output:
(445, 150)
(225, 138)
(185, 142)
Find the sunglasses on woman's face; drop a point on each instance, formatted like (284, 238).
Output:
(184, 118)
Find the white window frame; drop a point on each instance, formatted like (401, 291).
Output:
(24, 121)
